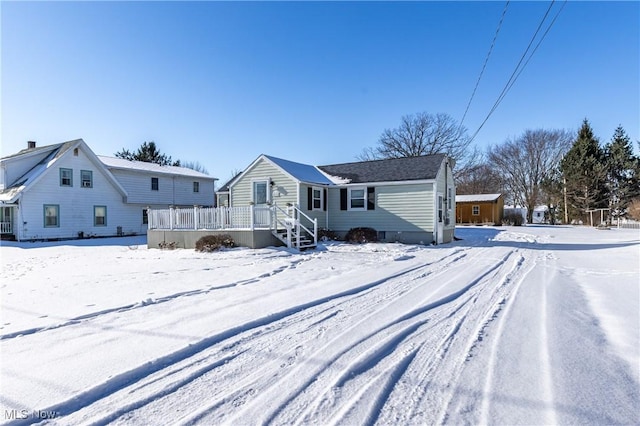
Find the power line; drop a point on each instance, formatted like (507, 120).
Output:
(517, 71)
(493, 42)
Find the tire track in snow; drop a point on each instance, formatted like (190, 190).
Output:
(127, 378)
(333, 359)
(500, 326)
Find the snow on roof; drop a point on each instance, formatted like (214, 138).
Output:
(121, 163)
(302, 172)
(477, 198)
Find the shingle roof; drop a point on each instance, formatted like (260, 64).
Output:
(476, 198)
(394, 169)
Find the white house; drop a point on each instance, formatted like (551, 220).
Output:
(65, 191)
(409, 200)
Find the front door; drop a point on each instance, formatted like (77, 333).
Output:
(440, 231)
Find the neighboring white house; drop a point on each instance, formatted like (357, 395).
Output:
(66, 191)
(405, 199)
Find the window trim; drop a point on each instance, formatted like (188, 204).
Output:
(196, 186)
(62, 170)
(44, 215)
(157, 184)
(475, 210)
(95, 216)
(350, 198)
(320, 198)
(82, 180)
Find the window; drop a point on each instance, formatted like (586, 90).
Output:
(449, 197)
(99, 215)
(475, 210)
(51, 215)
(357, 199)
(317, 198)
(154, 184)
(86, 178)
(66, 177)
(145, 217)
(440, 208)
(260, 193)
(196, 186)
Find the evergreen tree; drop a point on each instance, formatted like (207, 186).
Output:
(149, 153)
(623, 180)
(584, 174)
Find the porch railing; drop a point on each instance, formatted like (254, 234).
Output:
(6, 228)
(249, 217)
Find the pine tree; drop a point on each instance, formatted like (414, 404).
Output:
(623, 180)
(149, 153)
(584, 174)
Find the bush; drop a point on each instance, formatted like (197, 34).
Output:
(325, 234)
(512, 219)
(210, 243)
(361, 235)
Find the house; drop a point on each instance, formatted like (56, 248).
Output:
(407, 200)
(65, 191)
(479, 209)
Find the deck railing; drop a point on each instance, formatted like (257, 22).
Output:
(249, 217)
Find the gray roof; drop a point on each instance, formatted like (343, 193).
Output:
(390, 170)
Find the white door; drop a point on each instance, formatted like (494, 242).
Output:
(440, 232)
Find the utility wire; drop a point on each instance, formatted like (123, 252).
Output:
(493, 42)
(516, 72)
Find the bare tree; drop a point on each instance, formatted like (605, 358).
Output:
(195, 165)
(525, 162)
(421, 134)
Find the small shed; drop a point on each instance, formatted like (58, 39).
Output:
(479, 209)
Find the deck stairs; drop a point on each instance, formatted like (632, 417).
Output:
(294, 228)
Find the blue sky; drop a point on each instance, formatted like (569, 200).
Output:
(314, 82)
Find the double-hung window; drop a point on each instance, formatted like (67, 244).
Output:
(66, 177)
(86, 178)
(51, 216)
(316, 195)
(196, 186)
(357, 198)
(99, 215)
(475, 210)
(154, 184)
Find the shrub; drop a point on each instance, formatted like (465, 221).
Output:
(361, 235)
(325, 234)
(210, 243)
(512, 219)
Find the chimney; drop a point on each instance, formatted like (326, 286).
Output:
(31, 144)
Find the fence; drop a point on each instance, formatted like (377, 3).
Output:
(250, 217)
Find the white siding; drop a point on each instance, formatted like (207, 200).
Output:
(399, 208)
(177, 190)
(75, 203)
(443, 187)
(285, 189)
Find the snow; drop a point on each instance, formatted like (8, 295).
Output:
(509, 325)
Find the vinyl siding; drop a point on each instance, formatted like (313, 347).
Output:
(399, 208)
(321, 215)
(176, 190)
(75, 203)
(284, 191)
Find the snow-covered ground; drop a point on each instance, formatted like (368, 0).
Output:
(531, 325)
